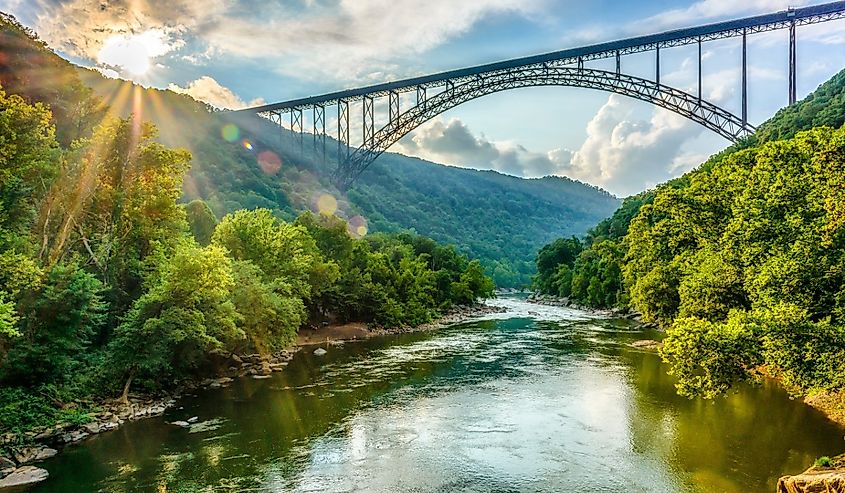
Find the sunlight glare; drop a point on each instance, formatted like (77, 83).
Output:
(269, 162)
(133, 52)
(326, 204)
(230, 132)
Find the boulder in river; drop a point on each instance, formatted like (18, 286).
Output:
(320, 352)
(181, 424)
(23, 476)
(813, 481)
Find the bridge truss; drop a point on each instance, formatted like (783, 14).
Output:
(431, 95)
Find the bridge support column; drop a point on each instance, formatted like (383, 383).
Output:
(342, 131)
(394, 108)
(744, 80)
(319, 127)
(422, 97)
(793, 91)
(657, 65)
(618, 64)
(699, 71)
(369, 120)
(296, 126)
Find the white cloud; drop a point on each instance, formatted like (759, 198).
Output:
(452, 142)
(624, 155)
(621, 154)
(207, 89)
(704, 10)
(350, 40)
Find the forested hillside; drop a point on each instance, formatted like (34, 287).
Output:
(742, 260)
(499, 219)
(108, 284)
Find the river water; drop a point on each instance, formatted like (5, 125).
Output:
(536, 399)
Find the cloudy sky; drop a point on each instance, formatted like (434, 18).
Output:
(235, 53)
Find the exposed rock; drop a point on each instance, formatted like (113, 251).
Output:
(181, 424)
(23, 476)
(260, 377)
(320, 352)
(109, 425)
(93, 428)
(814, 480)
(25, 455)
(46, 453)
(75, 436)
(193, 419)
(7, 466)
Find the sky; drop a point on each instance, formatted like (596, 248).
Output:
(238, 53)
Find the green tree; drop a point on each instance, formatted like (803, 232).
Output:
(562, 251)
(115, 204)
(61, 320)
(186, 313)
(29, 159)
(201, 220)
(283, 251)
(270, 315)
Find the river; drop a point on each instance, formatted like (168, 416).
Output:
(535, 399)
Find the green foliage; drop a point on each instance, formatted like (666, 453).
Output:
(743, 259)
(8, 317)
(107, 283)
(707, 357)
(498, 219)
(269, 314)
(284, 252)
(23, 409)
(777, 255)
(28, 160)
(201, 220)
(562, 251)
(185, 314)
(60, 321)
(823, 461)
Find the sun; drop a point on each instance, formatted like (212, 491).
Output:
(134, 53)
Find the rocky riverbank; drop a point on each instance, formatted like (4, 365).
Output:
(22, 451)
(821, 478)
(16, 466)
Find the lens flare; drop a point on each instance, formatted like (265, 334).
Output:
(269, 162)
(326, 204)
(230, 132)
(247, 144)
(357, 227)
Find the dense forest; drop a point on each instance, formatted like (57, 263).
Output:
(110, 284)
(742, 260)
(500, 220)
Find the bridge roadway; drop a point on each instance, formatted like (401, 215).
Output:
(787, 19)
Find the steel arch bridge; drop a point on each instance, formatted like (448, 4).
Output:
(562, 68)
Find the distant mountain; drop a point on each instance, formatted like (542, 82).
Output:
(500, 219)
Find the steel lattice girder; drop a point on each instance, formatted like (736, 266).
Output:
(703, 112)
(813, 14)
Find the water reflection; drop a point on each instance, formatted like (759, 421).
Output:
(507, 404)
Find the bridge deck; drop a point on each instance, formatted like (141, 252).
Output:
(769, 22)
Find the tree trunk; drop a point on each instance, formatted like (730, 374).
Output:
(124, 397)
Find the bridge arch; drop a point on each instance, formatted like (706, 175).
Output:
(692, 107)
